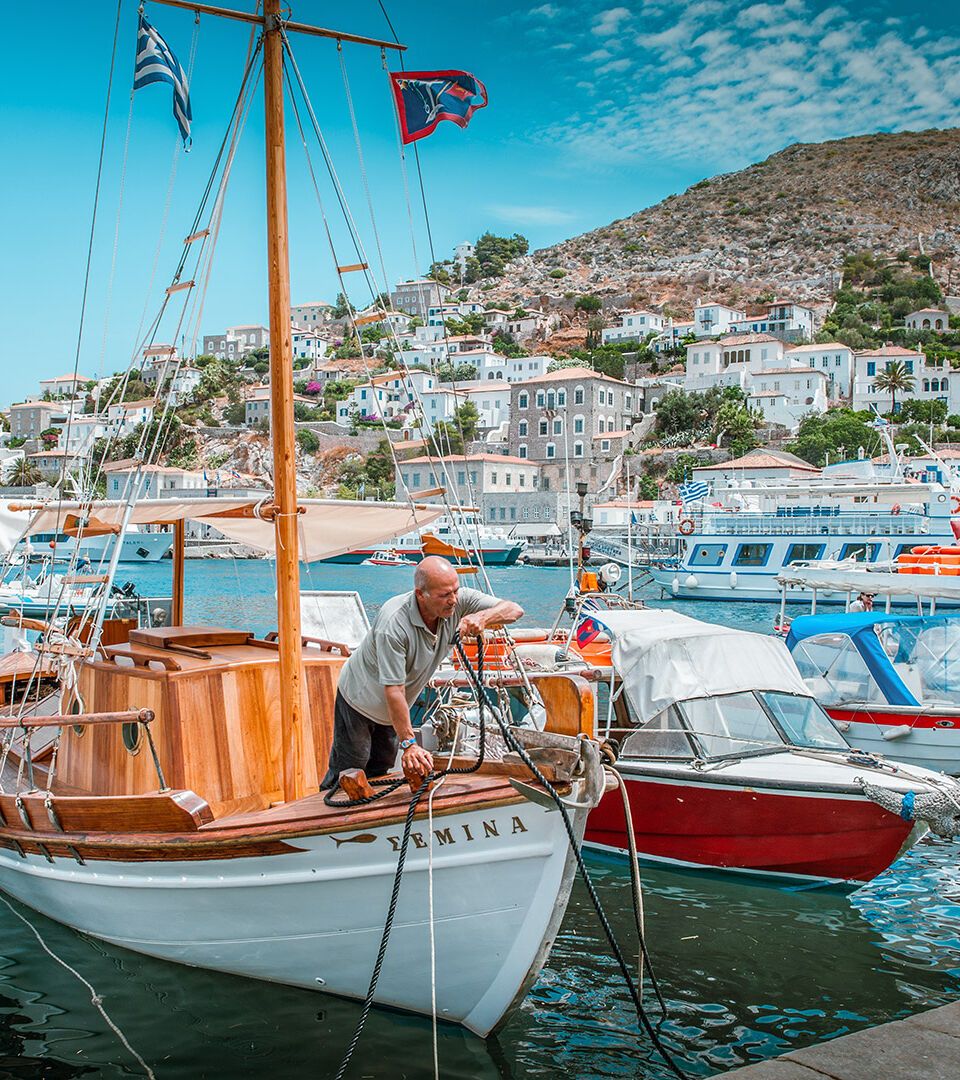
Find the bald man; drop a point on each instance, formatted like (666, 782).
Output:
(381, 680)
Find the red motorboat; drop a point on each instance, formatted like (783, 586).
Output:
(730, 763)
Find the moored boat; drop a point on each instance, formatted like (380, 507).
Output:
(891, 682)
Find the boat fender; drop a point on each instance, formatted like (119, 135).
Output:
(675, 586)
(733, 579)
(939, 809)
(691, 582)
(895, 509)
(897, 732)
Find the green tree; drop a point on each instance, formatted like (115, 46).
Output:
(894, 378)
(682, 468)
(447, 371)
(23, 474)
(922, 412)
(235, 414)
(307, 440)
(588, 303)
(839, 433)
(492, 253)
(648, 488)
(342, 307)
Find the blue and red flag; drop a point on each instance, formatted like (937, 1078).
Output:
(587, 631)
(424, 98)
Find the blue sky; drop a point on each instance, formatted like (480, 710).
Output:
(596, 111)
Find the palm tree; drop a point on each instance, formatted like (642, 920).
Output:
(894, 378)
(23, 474)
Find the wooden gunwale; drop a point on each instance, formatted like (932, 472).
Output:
(226, 839)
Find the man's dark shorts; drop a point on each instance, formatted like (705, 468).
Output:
(359, 743)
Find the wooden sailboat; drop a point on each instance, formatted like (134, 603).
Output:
(179, 815)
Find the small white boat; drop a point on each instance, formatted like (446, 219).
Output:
(388, 558)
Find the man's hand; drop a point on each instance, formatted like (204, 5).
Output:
(418, 761)
(472, 625)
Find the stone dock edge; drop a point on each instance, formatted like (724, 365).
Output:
(925, 1046)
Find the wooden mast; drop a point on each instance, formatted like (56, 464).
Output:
(285, 509)
(281, 415)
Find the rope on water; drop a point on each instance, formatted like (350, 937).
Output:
(95, 998)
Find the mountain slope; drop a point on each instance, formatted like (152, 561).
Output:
(780, 226)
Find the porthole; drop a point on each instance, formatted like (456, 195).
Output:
(132, 734)
(78, 729)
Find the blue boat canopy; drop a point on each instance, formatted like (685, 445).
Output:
(913, 659)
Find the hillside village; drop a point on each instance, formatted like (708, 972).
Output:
(523, 399)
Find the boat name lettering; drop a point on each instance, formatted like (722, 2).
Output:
(445, 836)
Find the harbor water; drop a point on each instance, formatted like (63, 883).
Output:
(748, 970)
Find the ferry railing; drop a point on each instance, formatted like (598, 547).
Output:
(869, 525)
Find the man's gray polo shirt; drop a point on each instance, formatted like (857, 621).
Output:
(399, 650)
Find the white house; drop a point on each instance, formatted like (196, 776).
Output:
(128, 414)
(710, 319)
(634, 326)
(784, 319)
(310, 316)
(156, 481)
(933, 380)
(418, 296)
(463, 251)
(308, 344)
(63, 385)
(935, 319)
(236, 342)
(779, 384)
(492, 401)
(398, 396)
(796, 391)
(257, 404)
(472, 475)
(832, 358)
(527, 367)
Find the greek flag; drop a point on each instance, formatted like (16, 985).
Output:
(693, 491)
(156, 63)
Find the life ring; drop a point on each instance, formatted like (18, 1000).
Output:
(687, 525)
(955, 504)
(895, 509)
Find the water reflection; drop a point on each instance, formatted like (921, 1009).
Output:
(748, 972)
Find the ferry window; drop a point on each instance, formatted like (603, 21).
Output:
(860, 552)
(752, 554)
(708, 554)
(803, 552)
(803, 721)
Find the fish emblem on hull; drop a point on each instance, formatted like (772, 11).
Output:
(359, 838)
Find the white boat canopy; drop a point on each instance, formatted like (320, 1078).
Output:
(664, 658)
(873, 582)
(327, 527)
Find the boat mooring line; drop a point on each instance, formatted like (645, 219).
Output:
(95, 998)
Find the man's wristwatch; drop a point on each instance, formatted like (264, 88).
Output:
(405, 744)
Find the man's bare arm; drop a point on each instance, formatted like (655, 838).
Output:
(501, 614)
(414, 757)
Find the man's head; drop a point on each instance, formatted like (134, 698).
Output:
(436, 584)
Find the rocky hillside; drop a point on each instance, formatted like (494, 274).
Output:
(781, 227)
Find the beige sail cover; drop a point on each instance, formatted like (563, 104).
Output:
(327, 527)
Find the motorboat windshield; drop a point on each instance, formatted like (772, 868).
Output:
(734, 725)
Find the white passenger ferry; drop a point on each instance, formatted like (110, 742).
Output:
(738, 540)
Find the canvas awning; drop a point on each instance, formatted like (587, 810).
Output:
(327, 527)
(535, 528)
(872, 582)
(664, 658)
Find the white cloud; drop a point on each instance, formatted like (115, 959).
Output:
(608, 22)
(545, 11)
(531, 215)
(730, 81)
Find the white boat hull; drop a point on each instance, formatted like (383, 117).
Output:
(135, 547)
(313, 917)
(686, 584)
